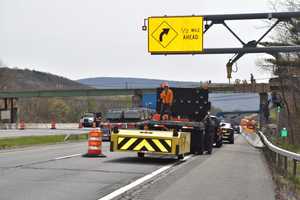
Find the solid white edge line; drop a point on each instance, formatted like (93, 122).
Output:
(139, 181)
(69, 156)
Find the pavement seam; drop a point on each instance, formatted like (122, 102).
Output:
(85, 170)
(44, 161)
(141, 192)
(145, 179)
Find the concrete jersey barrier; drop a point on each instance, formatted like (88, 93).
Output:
(40, 126)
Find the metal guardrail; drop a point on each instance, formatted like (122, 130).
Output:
(280, 158)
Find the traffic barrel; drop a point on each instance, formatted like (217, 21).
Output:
(22, 124)
(131, 125)
(95, 144)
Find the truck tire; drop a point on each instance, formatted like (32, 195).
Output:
(219, 143)
(231, 139)
(201, 147)
(141, 155)
(180, 157)
(208, 137)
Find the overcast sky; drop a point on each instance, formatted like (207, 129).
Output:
(95, 38)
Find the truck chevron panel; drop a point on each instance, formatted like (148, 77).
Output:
(145, 144)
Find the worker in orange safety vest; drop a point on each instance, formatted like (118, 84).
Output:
(166, 97)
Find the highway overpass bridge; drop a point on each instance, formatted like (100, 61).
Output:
(214, 88)
(10, 97)
(222, 114)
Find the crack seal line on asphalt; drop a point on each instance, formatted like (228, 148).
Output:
(45, 161)
(69, 156)
(141, 180)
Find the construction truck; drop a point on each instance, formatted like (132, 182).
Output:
(187, 130)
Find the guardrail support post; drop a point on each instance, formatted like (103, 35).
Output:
(286, 165)
(274, 158)
(294, 167)
(279, 162)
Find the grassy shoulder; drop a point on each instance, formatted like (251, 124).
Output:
(25, 141)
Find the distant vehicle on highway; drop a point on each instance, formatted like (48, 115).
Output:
(228, 132)
(123, 118)
(89, 118)
(128, 115)
(236, 129)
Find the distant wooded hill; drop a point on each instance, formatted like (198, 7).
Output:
(24, 79)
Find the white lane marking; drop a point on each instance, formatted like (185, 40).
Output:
(69, 156)
(139, 181)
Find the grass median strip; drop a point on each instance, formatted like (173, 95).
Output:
(24, 141)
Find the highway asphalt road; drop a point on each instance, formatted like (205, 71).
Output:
(36, 132)
(44, 173)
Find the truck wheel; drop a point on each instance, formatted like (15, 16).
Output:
(209, 151)
(208, 142)
(180, 157)
(219, 143)
(231, 140)
(141, 155)
(202, 143)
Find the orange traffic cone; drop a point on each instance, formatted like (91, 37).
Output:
(95, 144)
(22, 125)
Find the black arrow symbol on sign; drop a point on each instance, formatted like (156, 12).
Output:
(164, 32)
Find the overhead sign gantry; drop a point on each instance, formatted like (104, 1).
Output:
(184, 35)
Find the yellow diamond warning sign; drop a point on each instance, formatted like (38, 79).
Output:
(175, 34)
(164, 34)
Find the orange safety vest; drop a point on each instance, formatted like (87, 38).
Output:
(167, 96)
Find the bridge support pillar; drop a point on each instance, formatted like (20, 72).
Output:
(5, 104)
(8, 111)
(137, 98)
(263, 109)
(12, 110)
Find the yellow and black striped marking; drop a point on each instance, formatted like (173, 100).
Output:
(145, 144)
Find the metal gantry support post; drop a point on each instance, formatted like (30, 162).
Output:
(11, 110)
(263, 108)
